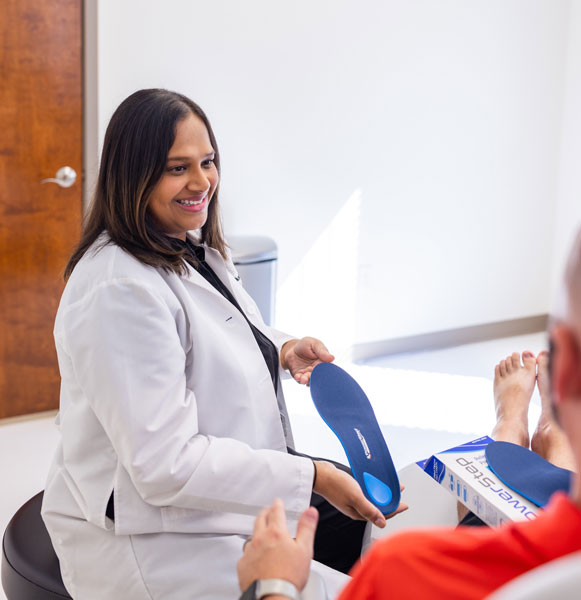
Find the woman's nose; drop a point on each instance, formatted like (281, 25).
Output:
(198, 182)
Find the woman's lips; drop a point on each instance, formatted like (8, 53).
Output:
(194, 203)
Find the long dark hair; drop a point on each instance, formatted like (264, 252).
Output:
(137, 142)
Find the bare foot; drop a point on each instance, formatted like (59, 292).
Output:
(549, 440)
(514, 383)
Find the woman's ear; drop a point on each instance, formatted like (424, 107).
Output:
(565, 365)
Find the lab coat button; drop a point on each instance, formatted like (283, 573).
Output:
(250, 310)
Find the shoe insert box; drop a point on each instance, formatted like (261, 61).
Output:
(464, 472)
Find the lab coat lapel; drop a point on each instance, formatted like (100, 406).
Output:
(220, 267)
(194, 277)
(226, 272)
(217, 264)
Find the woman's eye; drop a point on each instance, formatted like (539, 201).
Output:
(177, 170)
(208, 163)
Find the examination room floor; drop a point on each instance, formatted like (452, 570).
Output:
(424, 402)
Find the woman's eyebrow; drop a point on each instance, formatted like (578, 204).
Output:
(182, 158)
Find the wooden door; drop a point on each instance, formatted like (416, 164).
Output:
(40, 131)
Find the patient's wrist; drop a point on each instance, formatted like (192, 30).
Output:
(274, 589)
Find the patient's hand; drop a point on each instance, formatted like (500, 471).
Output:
(273, 554)
(300, 357)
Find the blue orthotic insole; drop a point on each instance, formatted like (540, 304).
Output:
(345, 408)
(526, 472)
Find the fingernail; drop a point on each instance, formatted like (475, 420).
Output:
(312, 513)
(380, 522)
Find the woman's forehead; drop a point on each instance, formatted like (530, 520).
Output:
(191, 134)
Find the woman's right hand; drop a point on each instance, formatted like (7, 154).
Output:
(344, 493)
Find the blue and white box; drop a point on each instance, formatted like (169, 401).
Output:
(464, 472)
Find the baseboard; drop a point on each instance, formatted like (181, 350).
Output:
(30, 417)
(450, 337)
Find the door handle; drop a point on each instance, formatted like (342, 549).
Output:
(65, 177)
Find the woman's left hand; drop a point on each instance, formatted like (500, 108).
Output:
(300, 357)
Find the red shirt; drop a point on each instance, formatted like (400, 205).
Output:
(466, 562)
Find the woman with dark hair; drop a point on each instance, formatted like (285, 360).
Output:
(174, 430)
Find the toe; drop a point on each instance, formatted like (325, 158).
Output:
(543, 364)
(508, 363)
(528, 359)
(543, 358)
(515, 359)
(502, 368)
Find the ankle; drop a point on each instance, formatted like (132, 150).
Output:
(514, 430)
(547, 435)
(512, 416)
(550, 442)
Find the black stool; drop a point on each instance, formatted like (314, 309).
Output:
(30, 567)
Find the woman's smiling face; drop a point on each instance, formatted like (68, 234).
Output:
(179, 202)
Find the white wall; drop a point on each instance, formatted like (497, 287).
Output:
(415, 143)
(568, 213)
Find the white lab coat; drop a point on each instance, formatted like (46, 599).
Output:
(167, 401)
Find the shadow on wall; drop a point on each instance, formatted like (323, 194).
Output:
(319, 297)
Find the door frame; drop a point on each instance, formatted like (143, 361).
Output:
(90, 98)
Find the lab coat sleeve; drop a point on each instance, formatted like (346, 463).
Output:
(128, 358)
(279, 339)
